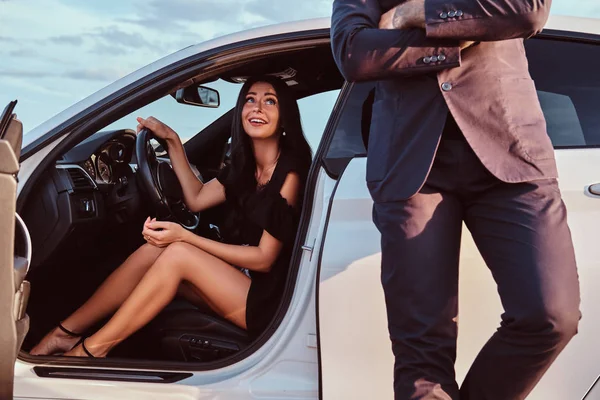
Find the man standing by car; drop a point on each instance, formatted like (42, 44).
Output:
(458, 134)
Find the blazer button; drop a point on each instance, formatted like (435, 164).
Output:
(426, 60)
(446, 86)
(443, 15)
(459, 13)
(452, 14)
(434, 59)
(441, 57)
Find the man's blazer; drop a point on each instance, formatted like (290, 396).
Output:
(421, 74)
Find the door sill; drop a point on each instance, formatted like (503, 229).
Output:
(96, 374)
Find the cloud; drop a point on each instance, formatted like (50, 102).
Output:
(195, 11)
(111, 35)
(114, 35)
(155, 23)
(233, 11)
(279, 11)
(75, 40)
(23, 53)
(30, 86)
(178, 17)
(211, 18)
(90, 74)
(37, 57)
(109, 50)
(19, 73)
(103, 75)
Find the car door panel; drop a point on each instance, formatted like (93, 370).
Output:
(8, 333)
(356, 357)
(355, 346)
(576, 368)
(14, 290)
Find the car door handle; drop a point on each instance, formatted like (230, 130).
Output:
(594, 189)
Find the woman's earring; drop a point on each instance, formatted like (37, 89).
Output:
(283, 133)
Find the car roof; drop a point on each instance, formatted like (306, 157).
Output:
(572, 24)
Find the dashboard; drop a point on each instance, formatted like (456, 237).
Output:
(91, 189)
(99, 166)
(90, 196)
(104, 156)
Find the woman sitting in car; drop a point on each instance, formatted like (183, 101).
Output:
(241, 278)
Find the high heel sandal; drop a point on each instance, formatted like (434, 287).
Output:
(68, 332)
(86, 350)
(81, 340)
(72, 334)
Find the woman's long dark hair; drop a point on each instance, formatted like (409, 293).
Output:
(293, 144)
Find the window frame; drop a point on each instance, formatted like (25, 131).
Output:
(142, 92)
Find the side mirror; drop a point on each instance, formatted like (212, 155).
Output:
(200, 96)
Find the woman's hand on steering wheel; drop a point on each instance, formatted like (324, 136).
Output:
(159, 128)
(156, 176)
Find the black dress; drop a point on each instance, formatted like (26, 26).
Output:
(247, 216)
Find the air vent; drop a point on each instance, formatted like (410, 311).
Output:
(79, 179)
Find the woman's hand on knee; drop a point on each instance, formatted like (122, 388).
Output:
(163, 233)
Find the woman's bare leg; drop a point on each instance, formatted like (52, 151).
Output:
(189, 292)
(107, 298)
(224, 287)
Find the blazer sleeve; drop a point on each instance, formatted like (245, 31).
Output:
(363, 52)
(485, 20)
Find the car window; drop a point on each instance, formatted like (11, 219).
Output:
(188, 120)
(185, 119)
(315, 111)
(348, 140)
(569, 92)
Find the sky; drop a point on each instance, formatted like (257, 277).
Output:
(54, 53)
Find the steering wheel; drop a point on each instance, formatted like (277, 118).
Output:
(161, 184)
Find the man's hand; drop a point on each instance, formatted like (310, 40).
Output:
(404, 16)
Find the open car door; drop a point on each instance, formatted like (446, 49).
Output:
(15, 253)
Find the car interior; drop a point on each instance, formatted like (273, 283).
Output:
(85, 215)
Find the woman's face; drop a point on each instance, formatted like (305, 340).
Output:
(260, 115)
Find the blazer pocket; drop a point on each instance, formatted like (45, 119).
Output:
(380, 140)
(525, 118)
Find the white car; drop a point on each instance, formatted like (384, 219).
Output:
(78, 195)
